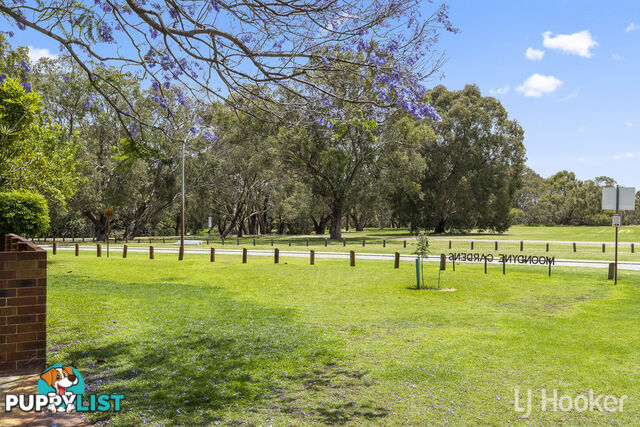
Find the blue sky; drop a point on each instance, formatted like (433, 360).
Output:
(576, 94)
(588, 121)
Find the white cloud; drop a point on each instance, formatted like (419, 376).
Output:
(616, 57)
(576, 44)
(632, 27)
(35, 53)
(537, 85)
(626, 156)
(499, 91)
(629, 124)
(534, 54)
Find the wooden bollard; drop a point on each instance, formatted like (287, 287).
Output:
(396, 261)
(485, 265)
(547, 246)
(603, 246)
(238, 241)
(271, 242)
(312, 257)
(449, 244)
(549, 269)
(363, 243)
(471, 245)
(55, 248)
(612, 269)
(276, 256)
(405, 243)
(352, 258)
(307, 242)
(325, 242)
(213, 254)
(384, 243)
(632, 248)
(254, 242)
(443, 262)
(574, 246)
(289, 242)
(222, 239)
(77, 249)
(181, 253)
(244, 255)
(124, 251)
(138, 240)
(453, 264)
(496, 245)
(344, 242)
(150, 241)
(98, 250)
(207, 242)
(150, 252)
(521, 245)
(164, 240)
(504, 266)
(73, 239)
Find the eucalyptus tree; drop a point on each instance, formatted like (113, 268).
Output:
(462, 172)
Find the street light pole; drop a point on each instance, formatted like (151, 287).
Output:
(181, 255)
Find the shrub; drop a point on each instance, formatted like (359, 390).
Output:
(23, 213)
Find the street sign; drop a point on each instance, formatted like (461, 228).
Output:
(616, 220)
(627, 198)
(108, 212)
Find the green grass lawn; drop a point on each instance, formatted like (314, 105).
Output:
(194, 342)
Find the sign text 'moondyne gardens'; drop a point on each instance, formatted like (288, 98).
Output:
(503, 258)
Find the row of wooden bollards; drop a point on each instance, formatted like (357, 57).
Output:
(276, 255)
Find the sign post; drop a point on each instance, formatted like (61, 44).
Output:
(618, 199)
(108, 213)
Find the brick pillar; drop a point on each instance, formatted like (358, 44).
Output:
(23, 287)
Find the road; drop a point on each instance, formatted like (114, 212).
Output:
(622, 265)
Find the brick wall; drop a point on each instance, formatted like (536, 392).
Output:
(23, 290)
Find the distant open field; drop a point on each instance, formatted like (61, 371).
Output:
(194, 342)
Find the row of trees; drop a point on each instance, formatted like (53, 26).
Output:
(331, 164)
(562, 199)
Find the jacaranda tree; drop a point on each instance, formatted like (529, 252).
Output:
(243, 48)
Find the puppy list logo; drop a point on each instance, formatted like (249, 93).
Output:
(61, 389)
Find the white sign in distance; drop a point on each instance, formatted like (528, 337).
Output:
(616, 220)
(627, 200)
(210, 223)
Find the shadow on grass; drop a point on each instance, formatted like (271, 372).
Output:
(192, 354)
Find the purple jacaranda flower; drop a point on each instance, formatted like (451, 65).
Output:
(209, 136)
(106, 32)
(24, 66)
(26, 84)
(3, 76)
(193, 130)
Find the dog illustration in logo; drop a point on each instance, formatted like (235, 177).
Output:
(60, 379)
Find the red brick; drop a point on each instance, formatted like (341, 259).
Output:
(22, 301)
(22, 355)
(3, 302)
(42, 336)
(32, 309)
(7, 293)
(30, 327)
(32, 345)
(42, 282)
(3, 320)
(22, 283)
(16, 320)
(6, 330)
(8, 367)
(31, 274)
(42, 300)
(8, 348)
(42, 264)
(8, 311)
(26, 337)
(26, 292)
(4, 274)
(42, 353)
(42, 318)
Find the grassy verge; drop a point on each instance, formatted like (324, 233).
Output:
(195, 342)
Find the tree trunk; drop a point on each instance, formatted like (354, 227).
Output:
(336, 220)
(319, 226)
(440, 228)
